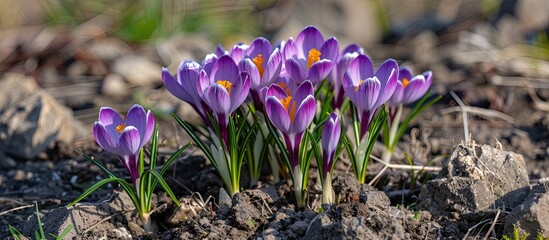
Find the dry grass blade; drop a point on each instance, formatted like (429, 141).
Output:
(538, 103)
(488, 113)
(464, 111)
(15, 209)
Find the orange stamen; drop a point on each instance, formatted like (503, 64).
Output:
(285, 87)
(314, 56)
(258, 61)
(289, 105)
(358, 86)
(120, 128)
(405, 82)
(226, 84)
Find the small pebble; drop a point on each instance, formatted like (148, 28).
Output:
(299, 227)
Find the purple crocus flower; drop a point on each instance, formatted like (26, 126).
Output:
(409, 87)
(124, 138)
(184, 86)
(335, 77)
(368, 91)
(225, 89)
(309, 56)
(330, 139)
(291, 113)
(263, 64)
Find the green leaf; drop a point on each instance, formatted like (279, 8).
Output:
(281, 146)
(125, 185)
(42, 235)
(16, 234)
(173, 157)
(164, 185)
(96, 163)
(189, 129)
(65, 232)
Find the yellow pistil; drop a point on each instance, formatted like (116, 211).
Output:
(289, 105)
(226, 84)
(314, 56)
(120, 128)
(258, 61)
(405, 82)
(358, 86)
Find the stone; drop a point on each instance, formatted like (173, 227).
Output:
(531, 216)
(81, 216)
(138, 70)
(115, 86)
(31, 120)
(476, 178)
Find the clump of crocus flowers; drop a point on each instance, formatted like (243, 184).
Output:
(285, 102)
(126, 139)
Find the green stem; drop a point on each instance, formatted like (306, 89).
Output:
(394, 129)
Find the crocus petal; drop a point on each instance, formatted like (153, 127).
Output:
(319, 70)
(415, 90)
(290, 50)
(351, 48)
(240, 91)
(246, 65)
(130, 141)
(405, 73)
(367, 94)
(137, 117)
(209, 62)
(258, 46)
(349, 87)
(220, 51)
(397, 96)
(149, 129)
(361, 68)
(330, 49)
(217, 98)
(203, 83)
(295, 70)
(387, 74)
(188, 74)
(238, 52)
(331, 133)
(308, 39)
(303, 91)
(277, 114)
(272, 69)
(224, 69)
(304, 114)
(104, 139)
(111, 119)
(174, 87)
(277, 91)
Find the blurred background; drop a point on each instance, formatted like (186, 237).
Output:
(61, 60)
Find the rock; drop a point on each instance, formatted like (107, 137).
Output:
(115, 86)
(457, 194)
(138, 70)
(30, 119)
(531, 216)
(474, 178)
(81, 216)
(299, 227)
(251, 209)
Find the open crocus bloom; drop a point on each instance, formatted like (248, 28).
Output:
(309, 56)
(263, 64)
(225, 89)
(335, 77)
(409, 87)
(291, 113)
(184, 86)
(124, 138)
(368, 91)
